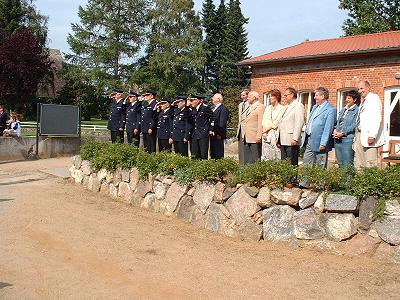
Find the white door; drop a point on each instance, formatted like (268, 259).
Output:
(392, 114)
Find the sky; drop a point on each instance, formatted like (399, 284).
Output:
(273, 25)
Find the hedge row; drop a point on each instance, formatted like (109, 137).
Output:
(382, 184)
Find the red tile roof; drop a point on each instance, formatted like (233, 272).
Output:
(338, 46)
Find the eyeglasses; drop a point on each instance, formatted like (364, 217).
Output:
(285, 95)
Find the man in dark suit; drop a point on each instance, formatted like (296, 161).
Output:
(221, 119)
(203, 122)
(132, 121)
(181, 126)
(164, 124)
(3, 119)
(148, 123)
(116, 116)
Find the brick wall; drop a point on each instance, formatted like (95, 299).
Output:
(380, 77)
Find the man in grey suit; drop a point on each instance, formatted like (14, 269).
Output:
(290, 127)
(243, 107)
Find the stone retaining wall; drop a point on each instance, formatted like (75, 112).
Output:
(304, 218)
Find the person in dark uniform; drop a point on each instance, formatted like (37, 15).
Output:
(132, 121)
(164, 124)
(117, 116)
(181, 126)
(203, 120)
(3, 119)
(148, 123)
(221, 115)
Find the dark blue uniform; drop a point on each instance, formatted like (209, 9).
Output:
(217, 141)
(116, 120)
(181, 130)
(147, 122)
(164, 128)
(132, 122)
(203, 120)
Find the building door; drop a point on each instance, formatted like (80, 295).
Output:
(392, 113)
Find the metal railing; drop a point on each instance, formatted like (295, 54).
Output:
(91, 127)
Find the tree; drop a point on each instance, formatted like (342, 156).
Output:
(221, 23)
(234, 48)
(11, 15)
(23, 65)
(175, 58)
(108, 38)
(18, 14)
(210, 44)
(370, 16)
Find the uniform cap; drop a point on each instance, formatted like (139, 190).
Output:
(164, 100)
(152, 92)
(117, 90)
(134, 94)
(197, 96)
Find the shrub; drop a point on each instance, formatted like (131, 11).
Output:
(168, 163)
(113, 156)
(274, 174)
(146, 163)
(90, 150)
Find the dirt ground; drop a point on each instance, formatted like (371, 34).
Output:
(59, 241)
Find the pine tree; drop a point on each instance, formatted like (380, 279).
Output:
(11, 15)
(209, 44)
(234, 48)
(107, 39)
(221, 24)
(175, 57)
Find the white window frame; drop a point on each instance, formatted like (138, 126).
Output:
(266, 99)
(341, 99)
(309, 100)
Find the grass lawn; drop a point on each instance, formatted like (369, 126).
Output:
(95, 121)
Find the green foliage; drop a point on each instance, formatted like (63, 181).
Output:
(170, 162)
(274, 174)
(90, 150)
(175, 58)
(370, 16)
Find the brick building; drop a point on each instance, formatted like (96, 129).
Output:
(337, 64)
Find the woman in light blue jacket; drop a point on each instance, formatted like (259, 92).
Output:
(344, 131)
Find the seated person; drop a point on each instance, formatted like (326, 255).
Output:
(14, 126)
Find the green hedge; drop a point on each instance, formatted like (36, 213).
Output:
(382, 184)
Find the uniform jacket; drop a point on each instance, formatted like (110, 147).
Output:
(348, 124)
(164, 123)
(132, 120)
(371, 124)
(323, 121)
(116, 118)
(148, 117)
(253, 122)
(292, 123)
(203, 121)
(3, 121)
(241, 122)
(181, 126)
(221, 119)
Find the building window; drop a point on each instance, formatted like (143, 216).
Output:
(307, 98)
(266, 99)
(341, 98)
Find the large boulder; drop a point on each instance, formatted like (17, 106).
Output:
(319, 205)
(388, 228)
(278, 223)
(217, 218)
(361, 244)
(124, 191)
(247, 230)
(134, 177)
(203, 195)
(185, 208)
(341, 203)
(104, 188)
(125, 175)
(251, 190)
(117, 177)
(143, 188)
(94, 183)
(113, 191)
(264, 198)
(229, 191)
(339, 227)
(78, 176)
(366, 212)
(77, 161)
(86, 167)
(197, 217)
(219, 192)
(241, 206)
(102, 174)
(308, 198)
(149, 202)
(287, 196)
(173, 195)
(160, 189)
(307, 225)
